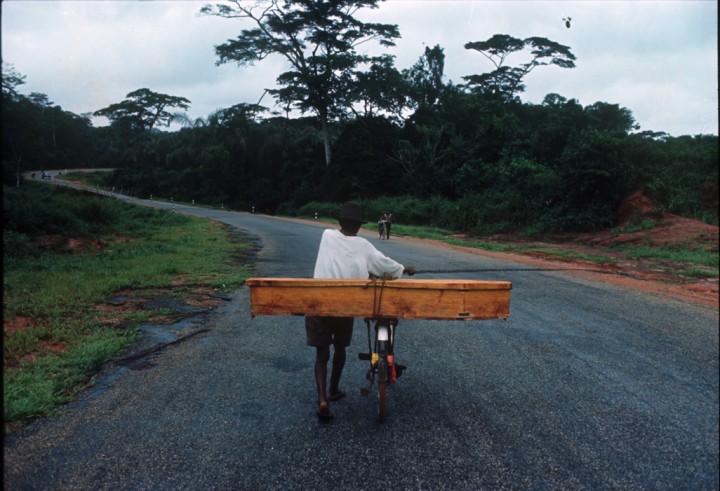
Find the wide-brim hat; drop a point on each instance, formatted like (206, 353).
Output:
(352, 212)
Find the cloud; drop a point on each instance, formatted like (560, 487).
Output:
(658, 59)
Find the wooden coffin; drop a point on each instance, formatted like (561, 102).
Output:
(402, 299)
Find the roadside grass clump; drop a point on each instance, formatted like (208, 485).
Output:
(695, 256)
(645, 224)
(568, 255)
(449, 237)
(55, 337)
(482, 244)
(418, 231)
(699, 273)
(561, 254)
(37, 386)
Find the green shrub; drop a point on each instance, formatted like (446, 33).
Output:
(323, 209)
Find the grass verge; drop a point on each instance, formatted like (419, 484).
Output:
(450, 238)
(702, 263)
(55, 337)
(696, 256)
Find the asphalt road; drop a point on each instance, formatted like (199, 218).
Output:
(585, 386)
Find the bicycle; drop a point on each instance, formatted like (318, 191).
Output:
(382, 229)
(432, 299)
(381, 355)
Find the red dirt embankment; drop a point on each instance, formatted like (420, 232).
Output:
(667, 277)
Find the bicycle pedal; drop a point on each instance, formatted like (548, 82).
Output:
(399, 369)
(364, 356)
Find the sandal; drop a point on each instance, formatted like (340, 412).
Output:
(336, 397)
(324, 412)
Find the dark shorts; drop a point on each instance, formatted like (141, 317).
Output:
(324, 331)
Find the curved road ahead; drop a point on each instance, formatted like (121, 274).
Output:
(585, 386)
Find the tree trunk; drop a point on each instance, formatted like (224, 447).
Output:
(17, 172)
(326, 138)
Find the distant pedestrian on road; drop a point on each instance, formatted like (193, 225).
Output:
(381, 226)
(388, 217)
(342, 254)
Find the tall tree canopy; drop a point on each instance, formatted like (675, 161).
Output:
(143, 110)
(506, 80)
(318, 38)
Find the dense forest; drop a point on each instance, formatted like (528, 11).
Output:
(472, 157)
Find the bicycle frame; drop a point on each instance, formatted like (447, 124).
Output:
(382, 359)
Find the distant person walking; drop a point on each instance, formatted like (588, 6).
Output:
(388, 218)
(381, 226)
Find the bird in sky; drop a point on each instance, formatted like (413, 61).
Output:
(567, 21)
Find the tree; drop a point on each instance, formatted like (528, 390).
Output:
(39, 133)
(11, 79)
(612, 118)
(29, 126)
(425, 77)
(11, 99)
(143, 110)
(595, 177)
(318, 38)
(133, 119)
(505, 80)
(381, 89)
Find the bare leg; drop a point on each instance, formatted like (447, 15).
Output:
(321, 360)
(337, 368)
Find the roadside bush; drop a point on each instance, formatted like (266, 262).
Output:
(322, 208)
(22, 214)
(17, 245)
(71, 213)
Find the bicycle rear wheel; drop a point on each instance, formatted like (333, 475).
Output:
(383, 349)
(383, 379)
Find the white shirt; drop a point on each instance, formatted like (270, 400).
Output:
(352, 257)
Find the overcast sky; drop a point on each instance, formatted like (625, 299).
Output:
(657, 58)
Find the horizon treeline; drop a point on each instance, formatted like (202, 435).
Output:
(467, 160)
